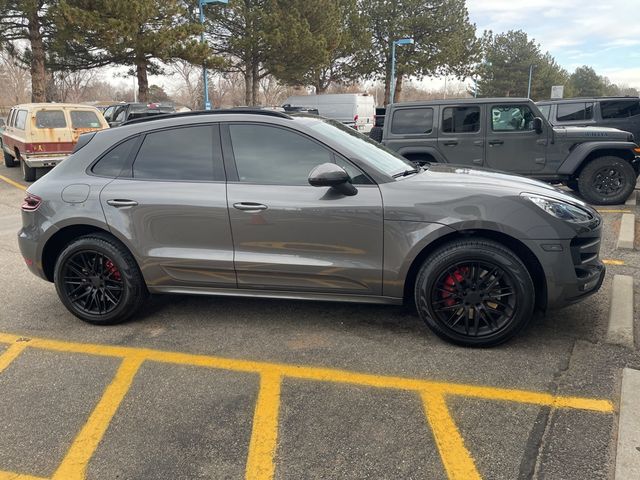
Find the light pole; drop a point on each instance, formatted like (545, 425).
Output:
(205, 77)
(530, 76)
(400, 41)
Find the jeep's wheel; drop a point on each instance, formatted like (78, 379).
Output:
(98, 280)
(607, 181)
(9, 161)
(475, 293)
(376, 134)
(28, 173)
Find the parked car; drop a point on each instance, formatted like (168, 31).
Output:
(302, 207)
(512, 135)
(43, 134)
(622, 113)
(354, 109)
(120, 113)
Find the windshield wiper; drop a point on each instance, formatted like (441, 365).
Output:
(406, 173)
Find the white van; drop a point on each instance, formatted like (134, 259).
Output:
(354, 109)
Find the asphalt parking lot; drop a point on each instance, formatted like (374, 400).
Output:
(219, 388)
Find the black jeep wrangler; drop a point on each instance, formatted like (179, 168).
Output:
(512, 135)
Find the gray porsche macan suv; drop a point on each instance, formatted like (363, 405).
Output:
(258, 203)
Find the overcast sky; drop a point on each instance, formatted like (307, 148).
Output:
(600, 33)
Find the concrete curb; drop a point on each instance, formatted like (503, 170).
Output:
(633, 198)
(627, 233)
(620, 330)
(627, 451)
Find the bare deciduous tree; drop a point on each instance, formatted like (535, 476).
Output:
(15, 80)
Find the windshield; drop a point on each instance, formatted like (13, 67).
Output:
(368, 150)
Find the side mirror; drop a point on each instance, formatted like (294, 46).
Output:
(537, 125)
(332, 175)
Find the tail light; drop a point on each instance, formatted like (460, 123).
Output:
(31, 203)
(355, 118)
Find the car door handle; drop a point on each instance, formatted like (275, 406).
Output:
(477, 161)
(496, 142)
(450, 143)
(478, 143)
(117, 202)
(249, 206)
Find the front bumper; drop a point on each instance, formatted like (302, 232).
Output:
(572, 268)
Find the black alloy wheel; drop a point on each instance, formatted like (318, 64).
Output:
(474, 298)
(92, 282)
(474, 292)
(98, 280)
(608, 181)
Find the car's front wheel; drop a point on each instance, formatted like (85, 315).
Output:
(474, 292)
(607, 181)
(99, 281)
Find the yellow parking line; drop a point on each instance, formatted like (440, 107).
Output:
(321, 374)
(10, 355)
(74, 464)
(613, 211)
(18, 476)
(608, 261)
(455, 457)
(11, 182)
(260, 461)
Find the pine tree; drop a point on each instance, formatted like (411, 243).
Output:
(139, 34)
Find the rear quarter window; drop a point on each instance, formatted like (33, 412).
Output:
(568, 112)
(84, 119)
(412, 120)
(21, 119)
(112, 163)
(50, 119)
(619, 108)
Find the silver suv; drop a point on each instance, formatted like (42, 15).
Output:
(259, 203)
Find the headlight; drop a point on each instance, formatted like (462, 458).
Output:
(559, 209)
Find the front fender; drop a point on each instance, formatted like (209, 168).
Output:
(582, 151)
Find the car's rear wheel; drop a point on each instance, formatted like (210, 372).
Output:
(474, 292)
(28, 173)
(9, 161)
(98, 280)
(607, 181)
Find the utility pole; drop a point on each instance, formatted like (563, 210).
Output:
(205, 76)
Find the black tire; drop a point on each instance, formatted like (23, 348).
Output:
(607, 181)
(500, 306)
(28, 173)
(99, 281)
(9, 161)
(376, 134)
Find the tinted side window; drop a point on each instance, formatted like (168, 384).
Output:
(21, 119)
(276, 156)
(568, 112)
(11, 117)
(461, 120)
(506, 118)
(412, 120)
(120, 114)
(177, 154)
(358, 177)
(50, 119)
(620, 108)
(110, 165)
(108, 112)
(84, 119)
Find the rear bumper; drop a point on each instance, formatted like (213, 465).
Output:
(41, 161)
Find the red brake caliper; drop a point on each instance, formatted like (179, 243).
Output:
(112, 269)
(450, 286)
